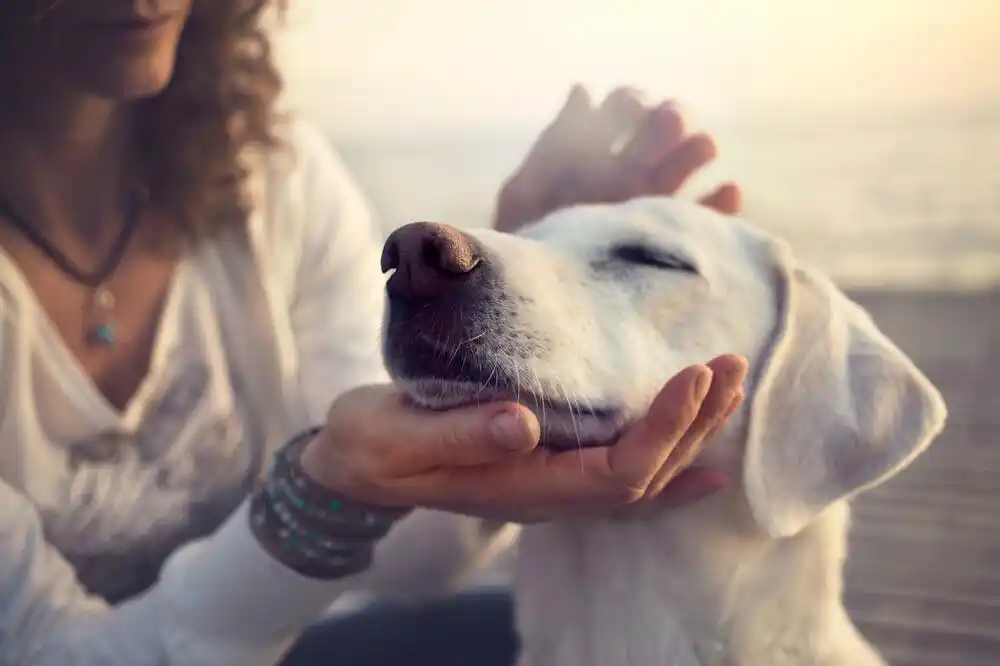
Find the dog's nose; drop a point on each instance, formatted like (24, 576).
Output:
(430, 260)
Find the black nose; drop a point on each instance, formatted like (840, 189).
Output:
(430, 260)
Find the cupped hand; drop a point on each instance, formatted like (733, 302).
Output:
(485, 461)
(620, 149)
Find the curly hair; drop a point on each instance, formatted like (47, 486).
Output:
(193, 136)
(221, 101)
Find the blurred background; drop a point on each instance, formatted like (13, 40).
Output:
(867, 132)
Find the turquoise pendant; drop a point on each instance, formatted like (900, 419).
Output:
(104, 335)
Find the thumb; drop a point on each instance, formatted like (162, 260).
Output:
(463, 437)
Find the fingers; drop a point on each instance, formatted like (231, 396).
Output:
(728, 373)
(737, 401)
(732, 368)
(657, 136)
(727, 199)
(535, 189)
(622, 113)
(578, 108)
(635, 459)
(592, 477)
(690, 485)
(481, 460)
(589, 167)
(577, 158)
(583, 135)
(602, 476)
(538, 485)
(461, 437)
(378, 435)
(573, 129)
(691, 154)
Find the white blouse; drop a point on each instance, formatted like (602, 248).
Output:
(259, 334)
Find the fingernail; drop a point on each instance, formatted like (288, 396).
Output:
(703, 383)
(734, 405)
(510, 430)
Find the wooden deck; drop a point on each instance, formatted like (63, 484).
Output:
(923, 576)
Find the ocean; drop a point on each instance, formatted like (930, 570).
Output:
(908, 205)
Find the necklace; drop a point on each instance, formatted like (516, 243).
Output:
(99, 327)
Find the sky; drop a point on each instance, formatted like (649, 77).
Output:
(409, 66)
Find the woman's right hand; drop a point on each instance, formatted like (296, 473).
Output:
(482, 461)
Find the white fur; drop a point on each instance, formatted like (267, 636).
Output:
(751, 576)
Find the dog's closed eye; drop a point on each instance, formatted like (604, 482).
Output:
(646, 255)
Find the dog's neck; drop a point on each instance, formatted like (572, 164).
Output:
(685, 589)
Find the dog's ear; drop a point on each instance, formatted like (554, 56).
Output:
(837, 408)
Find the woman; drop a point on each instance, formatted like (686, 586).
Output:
(187, 286)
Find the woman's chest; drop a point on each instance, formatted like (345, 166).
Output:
(107, 328)
(124, 499)
(118, 491)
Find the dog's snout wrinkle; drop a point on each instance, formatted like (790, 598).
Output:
(430, 260)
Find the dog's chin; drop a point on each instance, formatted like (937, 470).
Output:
(564, 426)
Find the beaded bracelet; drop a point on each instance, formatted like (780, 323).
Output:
(311, 529)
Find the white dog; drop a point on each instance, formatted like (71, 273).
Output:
(583, 317)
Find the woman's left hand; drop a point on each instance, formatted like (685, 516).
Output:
(579, 158)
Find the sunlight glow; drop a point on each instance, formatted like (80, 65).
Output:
(447, 63)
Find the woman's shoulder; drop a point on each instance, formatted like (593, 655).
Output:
(305, 199)
(306, 177)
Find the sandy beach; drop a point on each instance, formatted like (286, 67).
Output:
(923, 577)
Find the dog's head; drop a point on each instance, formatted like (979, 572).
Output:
(585, 315)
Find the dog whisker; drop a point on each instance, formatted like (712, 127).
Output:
(568, 399)
(517, 384)
(541, 403)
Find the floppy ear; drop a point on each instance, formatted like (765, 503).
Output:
(838, 408)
